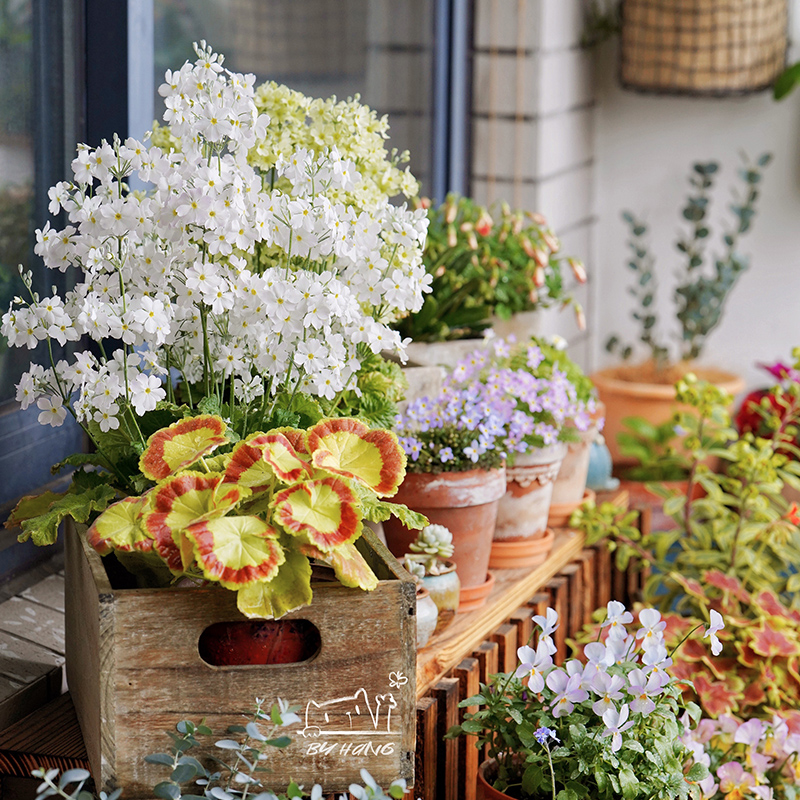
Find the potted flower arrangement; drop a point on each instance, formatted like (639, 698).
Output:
(488, 268)
(645, 390)
(236, 318)
(455, 476)
(543, 409)
(429, 561)
(606, 727)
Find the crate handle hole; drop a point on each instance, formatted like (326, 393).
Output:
(259, 642)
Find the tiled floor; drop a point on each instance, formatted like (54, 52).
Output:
(31, 645)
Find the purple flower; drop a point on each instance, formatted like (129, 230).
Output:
(643, 688)
(543, 734)
(568, 691)
(534, 664)
(446, 454)
(607, 687)
(616, 724)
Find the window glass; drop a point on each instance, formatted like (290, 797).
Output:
(16, 169)
(380, 49)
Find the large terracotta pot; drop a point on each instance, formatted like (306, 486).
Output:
(485, 790)
(523, 509)
(624, 396)
(464, 502)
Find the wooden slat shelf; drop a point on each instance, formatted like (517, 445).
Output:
(512, 589)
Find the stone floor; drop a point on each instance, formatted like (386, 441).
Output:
(31, 641)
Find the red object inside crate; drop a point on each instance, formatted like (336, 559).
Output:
(234, 644)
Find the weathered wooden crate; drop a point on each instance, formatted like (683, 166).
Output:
(134, 671)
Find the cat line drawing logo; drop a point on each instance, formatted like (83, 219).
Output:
(350, 716)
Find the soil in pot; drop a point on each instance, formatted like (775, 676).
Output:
(627, 391)
(464, 502)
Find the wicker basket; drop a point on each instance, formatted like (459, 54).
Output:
(702, 47)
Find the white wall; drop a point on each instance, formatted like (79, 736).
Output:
(644, 146)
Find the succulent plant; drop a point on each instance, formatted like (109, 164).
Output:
(434, 540)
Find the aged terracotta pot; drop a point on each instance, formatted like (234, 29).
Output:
(445, 590)
(464, 502)
(523, 509)
(571, 480)
(561, 512)
(473, 597)
(516, 553)
(624, 396)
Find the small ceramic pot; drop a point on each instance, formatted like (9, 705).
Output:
(465, 503)
(523, 509)
(517, 553)
(427, 616)
(445, 591)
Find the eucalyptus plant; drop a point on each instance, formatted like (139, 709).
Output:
(701, 291)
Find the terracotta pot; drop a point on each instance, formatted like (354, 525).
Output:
(516, 553)
(571, 480)
(464, 502)
(473, 597)
(561, 512)
(523, 509)
(485, 791)
(427, 616)
(624, 396)
(445, 590)
(522, 325)
(443, 354)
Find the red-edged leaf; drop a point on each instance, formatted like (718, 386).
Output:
(772, 606)
(349, 565)
(727, 583)
(248, 468)
(715, 697)
(753, 695)
(280, 454)
(747, 656)
(177, 503)
(236, 551)
(120, 527)
(322, 510)
(768, 642)
(180, 445)
(289, 590)
(296, 437)
(693, 650)
(348, 447)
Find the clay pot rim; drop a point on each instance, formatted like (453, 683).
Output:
(547, 535)
(609, 379)
(475, 596)
(486, 787)
(492, 482)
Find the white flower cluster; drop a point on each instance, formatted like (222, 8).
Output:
(211, 276)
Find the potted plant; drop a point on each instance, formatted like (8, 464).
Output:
(231, 324)
(429, 561)
(455, 476)
(740, 526)
(645, 389)
(606, 727)
(542, 410)
(488, 268)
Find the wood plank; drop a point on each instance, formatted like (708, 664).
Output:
(49, 592)
(49, 737)
(506, 639)
(487, 656)
(512, 588)
(619, 584)
(467, 673)
(23, 661)
(522, 620)
(574, 615)
(18, 700)
(602, 575)
(558, 600)
(446, 694)
(33, 622)
(426, 754)
(587, 562)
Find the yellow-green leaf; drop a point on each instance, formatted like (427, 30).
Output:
(289, 590)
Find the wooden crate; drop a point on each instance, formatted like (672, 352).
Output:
(134, 671)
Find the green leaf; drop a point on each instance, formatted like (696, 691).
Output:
(472, 726)
(183, 773)
(280, 741)
(43, 529)
(532, 779)
(698, 772)
(167, 790)
(785, 83)
(629, 783)
(159, 758)
(411, 519)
